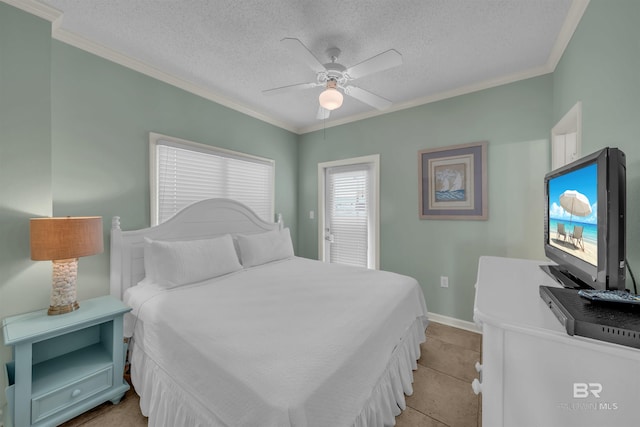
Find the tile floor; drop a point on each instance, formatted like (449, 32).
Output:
(442, 394)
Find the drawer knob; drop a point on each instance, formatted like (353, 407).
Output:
(478, 367)
(76, 392)
(476, 385)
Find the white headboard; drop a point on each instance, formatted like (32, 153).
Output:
(205, 219)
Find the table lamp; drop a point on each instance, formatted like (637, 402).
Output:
(63, 240)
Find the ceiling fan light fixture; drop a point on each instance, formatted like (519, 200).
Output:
(331, 98)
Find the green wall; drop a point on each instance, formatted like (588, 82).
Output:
(74, 141)
(25, 160)
(601, 68)
(514, 118)
(74, 130)
(25, 151)
(102, 114)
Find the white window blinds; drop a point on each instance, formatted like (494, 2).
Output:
(349, 205)
(186, 172)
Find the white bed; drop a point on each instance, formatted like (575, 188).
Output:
(289, 342)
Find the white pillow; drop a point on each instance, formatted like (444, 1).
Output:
(258, 249)
(172, 264)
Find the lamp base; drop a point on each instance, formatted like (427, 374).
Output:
(61, 309)
(63, 291)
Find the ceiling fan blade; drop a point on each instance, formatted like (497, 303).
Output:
(367, 97)
(304, 54)
(383, 61)
(323, 113)
(290, 88)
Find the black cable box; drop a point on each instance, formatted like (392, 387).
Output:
(619, 324)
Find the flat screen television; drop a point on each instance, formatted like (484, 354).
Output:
(584, 221)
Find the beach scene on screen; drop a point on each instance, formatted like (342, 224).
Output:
(573, 213)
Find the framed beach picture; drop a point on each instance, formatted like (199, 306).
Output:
(453, 182)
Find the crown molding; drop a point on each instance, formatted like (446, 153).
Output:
(571, 22)
(36, 8)
(112, 55)
(576, 11)
(464, 90)
(58, 33)
(55, 16)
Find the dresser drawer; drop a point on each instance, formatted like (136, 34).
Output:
(61, 398)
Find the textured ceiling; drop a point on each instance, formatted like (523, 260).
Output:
(231, 50)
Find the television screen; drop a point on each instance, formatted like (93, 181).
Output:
(573, 213)
(584, 221)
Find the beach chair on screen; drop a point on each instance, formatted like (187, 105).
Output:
(561, 232)
(576, 236)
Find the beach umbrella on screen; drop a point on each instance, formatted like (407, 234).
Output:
(575, 203)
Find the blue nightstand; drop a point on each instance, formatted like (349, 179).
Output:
(64, 365)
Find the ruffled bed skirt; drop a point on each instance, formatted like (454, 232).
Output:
(167, 405)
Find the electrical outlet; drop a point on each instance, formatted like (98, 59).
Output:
(312, 214)
(444, 281)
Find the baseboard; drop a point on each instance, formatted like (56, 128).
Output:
(456, 323)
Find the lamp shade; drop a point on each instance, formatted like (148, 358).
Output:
(330, 99)
(65, 237)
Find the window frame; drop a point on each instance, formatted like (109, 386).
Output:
(373, 161)
(156, 139)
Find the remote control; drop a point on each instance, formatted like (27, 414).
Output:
(616, 296)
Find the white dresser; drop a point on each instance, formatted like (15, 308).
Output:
(532, 372)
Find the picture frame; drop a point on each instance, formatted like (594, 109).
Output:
(452, 182)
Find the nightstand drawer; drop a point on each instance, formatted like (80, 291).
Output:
(56, 400)
(75, 360)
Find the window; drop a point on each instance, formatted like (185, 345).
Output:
(184, 172)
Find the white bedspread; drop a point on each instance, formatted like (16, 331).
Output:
(291, 343)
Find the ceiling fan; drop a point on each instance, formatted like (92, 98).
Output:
(335, 77)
